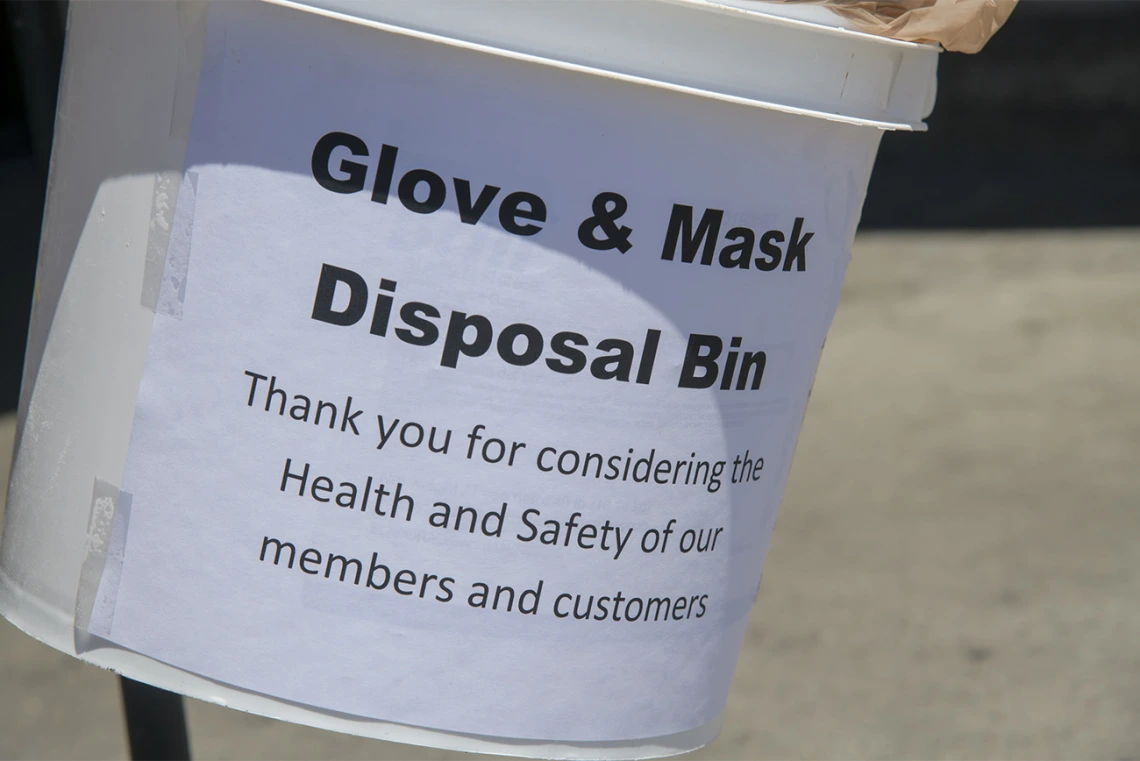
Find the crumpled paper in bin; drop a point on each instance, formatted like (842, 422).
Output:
(960, 25)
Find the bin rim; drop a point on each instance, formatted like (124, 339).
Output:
(907, 101)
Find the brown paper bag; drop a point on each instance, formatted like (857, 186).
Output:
(961, 25)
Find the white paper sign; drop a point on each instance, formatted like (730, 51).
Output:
(472, 401)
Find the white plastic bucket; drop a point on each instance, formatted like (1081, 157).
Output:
(771, 114)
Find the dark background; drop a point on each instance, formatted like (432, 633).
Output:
(1041, 129)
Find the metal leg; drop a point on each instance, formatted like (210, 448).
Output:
(156, 723)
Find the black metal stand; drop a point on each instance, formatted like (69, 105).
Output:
(156, 723)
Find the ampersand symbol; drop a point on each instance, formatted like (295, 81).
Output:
(607, 208)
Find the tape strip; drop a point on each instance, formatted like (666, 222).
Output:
(168, 245)
(103, 563)
(158, 239)
(191, 19)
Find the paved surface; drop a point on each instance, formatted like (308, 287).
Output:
(956, 570)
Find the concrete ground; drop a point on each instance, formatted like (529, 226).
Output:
(956, 569)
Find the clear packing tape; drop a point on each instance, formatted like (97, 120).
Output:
(960, 25)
